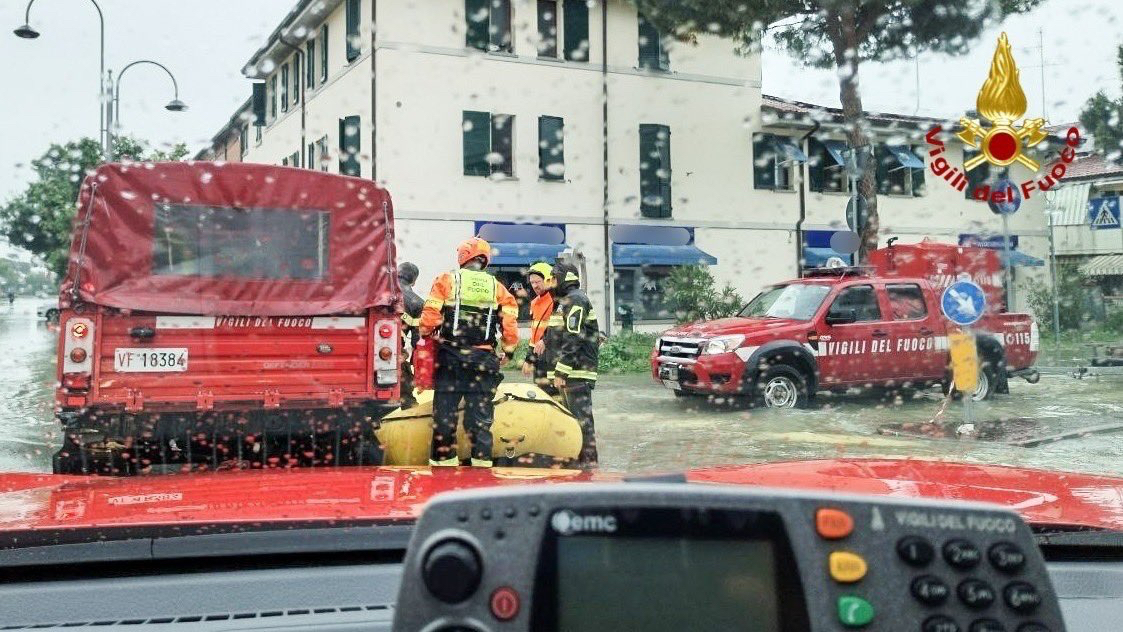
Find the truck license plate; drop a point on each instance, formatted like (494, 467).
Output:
(149, 360)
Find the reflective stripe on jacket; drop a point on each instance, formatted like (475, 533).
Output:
(471, 308)
(573, 336)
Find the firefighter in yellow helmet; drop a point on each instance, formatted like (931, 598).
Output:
(475, 319)
(539, 361)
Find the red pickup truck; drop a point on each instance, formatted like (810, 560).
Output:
(850, 327)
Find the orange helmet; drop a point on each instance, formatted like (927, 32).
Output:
(472, 248)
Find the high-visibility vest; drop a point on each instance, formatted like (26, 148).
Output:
(471, 316)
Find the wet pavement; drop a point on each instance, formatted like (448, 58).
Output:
(643, 427)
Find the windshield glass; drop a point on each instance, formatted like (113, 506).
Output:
(798, 301)
(526, 240)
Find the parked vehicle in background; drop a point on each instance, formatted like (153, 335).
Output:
(850, 327)
(48, 310)
(225, 315)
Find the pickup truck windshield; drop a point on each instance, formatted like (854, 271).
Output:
(798, 301)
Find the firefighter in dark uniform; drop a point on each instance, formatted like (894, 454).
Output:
(573, 338)
(411, 319)
(476, 319)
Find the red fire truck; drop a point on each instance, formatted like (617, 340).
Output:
(232, 314)
(851, 327)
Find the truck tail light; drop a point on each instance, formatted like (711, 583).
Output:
(77, 353)
(386, 346)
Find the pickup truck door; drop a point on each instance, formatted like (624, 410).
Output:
(844, 348)
(917, 345)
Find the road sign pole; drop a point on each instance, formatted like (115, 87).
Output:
(1007, 271)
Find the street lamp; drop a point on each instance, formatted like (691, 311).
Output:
(175, 105)
(27, 32)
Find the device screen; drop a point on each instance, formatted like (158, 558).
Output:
(658, 583)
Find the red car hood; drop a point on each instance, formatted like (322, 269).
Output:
(45, 502)
(734, 325)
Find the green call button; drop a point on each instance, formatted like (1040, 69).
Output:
(854, 612)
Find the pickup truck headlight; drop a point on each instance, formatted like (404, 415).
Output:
(722, 344)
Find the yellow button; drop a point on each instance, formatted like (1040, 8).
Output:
(847, 567)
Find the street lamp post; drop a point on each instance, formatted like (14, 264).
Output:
(114, 109)
(28, 32)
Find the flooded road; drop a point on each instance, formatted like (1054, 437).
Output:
(643, 427)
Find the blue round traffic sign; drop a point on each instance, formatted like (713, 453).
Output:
(1007, 191)
(963, 302)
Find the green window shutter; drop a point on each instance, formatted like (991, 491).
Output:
(548, 28)
(350, 134)
(310, 65)
(273, 97)
(323, 54)
(500, 27)
(502, 143)
(764, 162)
(576, 30)
(652, 53)
(478, 16)
(285, 88)
(296, 79)
(477, 143)
(655, 171)
(354, 42)
(551, 148)
(817, 165)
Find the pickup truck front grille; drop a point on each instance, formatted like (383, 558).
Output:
(680, 348)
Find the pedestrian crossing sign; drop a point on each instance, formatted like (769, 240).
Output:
(1103, 213)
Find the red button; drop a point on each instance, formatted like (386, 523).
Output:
(505, 603)
(833, 524)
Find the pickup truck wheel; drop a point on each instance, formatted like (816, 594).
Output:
(782, 386)
(986, 385)
(52, 315)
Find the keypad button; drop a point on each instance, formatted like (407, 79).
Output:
(833, 524)
(854, 612)
(962, 554)
(1032, 626)
(915, 551)
(1006, 557)
(986, 625)
(1021, 597)
(975, 593)
(846, 567)
(929, 590)
(939, 623)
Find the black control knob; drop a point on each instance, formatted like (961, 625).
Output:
(1021, 597)
(929, 590)
(915, 550)
(1006, 557)
(976, 594)
(986, 625)
(962, 554)
(451, 571)
(940, 623)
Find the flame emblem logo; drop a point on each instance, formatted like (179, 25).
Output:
(1002, 102)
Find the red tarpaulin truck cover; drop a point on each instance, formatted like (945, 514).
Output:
(231, 239)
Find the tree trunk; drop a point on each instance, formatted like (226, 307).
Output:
(845, 43)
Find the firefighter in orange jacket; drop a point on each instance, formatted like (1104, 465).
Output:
(475, 318)
(539, 361)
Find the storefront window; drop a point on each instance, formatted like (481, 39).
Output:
(642, 290)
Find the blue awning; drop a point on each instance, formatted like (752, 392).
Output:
(1021, 259)
(790, 150)
(905, 156)
(644, 255)
(838, 150)
(817, 257)
(523, 254)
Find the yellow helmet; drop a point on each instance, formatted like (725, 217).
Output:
(542, 269)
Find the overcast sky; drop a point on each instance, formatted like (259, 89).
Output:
(51, 86)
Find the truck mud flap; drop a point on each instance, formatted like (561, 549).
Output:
(130, 445)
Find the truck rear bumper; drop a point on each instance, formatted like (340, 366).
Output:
(718, 373)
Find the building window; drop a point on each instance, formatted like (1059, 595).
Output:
(285, 88)
(324, 153)
(296, 79)
(323, 54)
(655, 170)
(488, 144)
(551, 148)
(273, 98)
(899, 171)
(652, 48)
(294, 159)
(773, 157)
(244, 139)
(285, 161)
(257, 134)
(311, 160)
(349, 135)
(514, 279)
(310, 65)
(488, 25)
(976, 177)
(576, 30)
(642, 291)
(354, 40)
(548, 28)
(825, 172)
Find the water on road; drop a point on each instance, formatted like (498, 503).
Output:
(643, 427)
